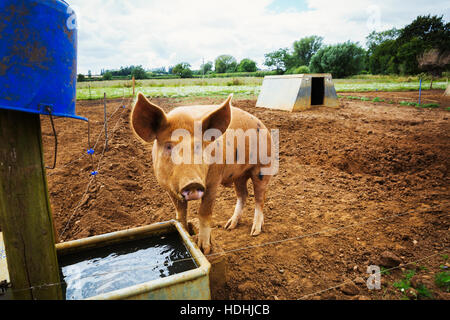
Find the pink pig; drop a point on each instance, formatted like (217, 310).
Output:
(219, 127)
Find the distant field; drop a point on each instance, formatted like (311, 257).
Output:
(241, 86)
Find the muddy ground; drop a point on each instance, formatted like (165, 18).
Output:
(354, 182)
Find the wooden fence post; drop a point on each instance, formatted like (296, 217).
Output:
(25, 212)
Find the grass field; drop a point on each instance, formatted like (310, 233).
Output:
(244, 87)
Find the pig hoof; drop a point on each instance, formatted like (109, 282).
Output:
(204, 246)
(256, 230)
(231, 224)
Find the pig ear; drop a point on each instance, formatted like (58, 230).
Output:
(147, 119)
(219, 119)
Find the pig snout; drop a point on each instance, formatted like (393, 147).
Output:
(193, 191)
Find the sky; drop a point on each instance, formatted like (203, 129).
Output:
(115, 33)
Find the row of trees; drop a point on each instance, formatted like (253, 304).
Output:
(407, 51)
(137, 71)
(223, 64)
(423, 45)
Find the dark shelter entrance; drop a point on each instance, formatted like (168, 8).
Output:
(317, 91)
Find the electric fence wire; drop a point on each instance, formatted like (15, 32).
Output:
(92, 177)
(96, 142)
(276, 242)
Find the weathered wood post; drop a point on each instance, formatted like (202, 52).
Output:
(25, 211)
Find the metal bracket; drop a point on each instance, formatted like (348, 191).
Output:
(49, 110)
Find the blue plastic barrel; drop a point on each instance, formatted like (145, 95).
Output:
(38, 57)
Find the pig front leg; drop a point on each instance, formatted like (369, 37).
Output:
(205, 217)
(181, 208)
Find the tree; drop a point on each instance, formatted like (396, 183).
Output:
(374, 39)
(247, 65)
(341, 60)
(138, 72)
(205, 68)
(183, 70)
(107, 76)
(225, 64)
(304, 49)
(298, 70)
(407, 55)
(434, 63)
(81, 78)
(382, 58)
(423, 34)
(280, 60)
(430, 29)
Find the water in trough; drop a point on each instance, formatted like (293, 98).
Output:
(96, 271)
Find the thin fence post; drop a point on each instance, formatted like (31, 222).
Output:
(420, 89)
(105, 121)
(134, 83)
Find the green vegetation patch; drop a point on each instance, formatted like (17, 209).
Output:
(442, 280)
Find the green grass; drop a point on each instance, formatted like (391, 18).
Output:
(408, 103)
(243, 86)
(442, 280)
(170, 92)
(384, 271)
(405, 283)
(415, 104)
(424, 292)
(429, 105)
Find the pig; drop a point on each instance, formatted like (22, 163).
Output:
(186, 182)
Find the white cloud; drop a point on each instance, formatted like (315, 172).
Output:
(114, 33)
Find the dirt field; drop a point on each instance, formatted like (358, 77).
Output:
(353, 182)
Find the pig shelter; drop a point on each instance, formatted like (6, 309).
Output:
(297, 92)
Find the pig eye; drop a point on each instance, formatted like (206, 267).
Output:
(168, 148)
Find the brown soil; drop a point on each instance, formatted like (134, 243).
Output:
(427, 96)
(353, 182)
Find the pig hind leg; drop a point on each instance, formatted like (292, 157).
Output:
(260, 183)
(240, 186)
